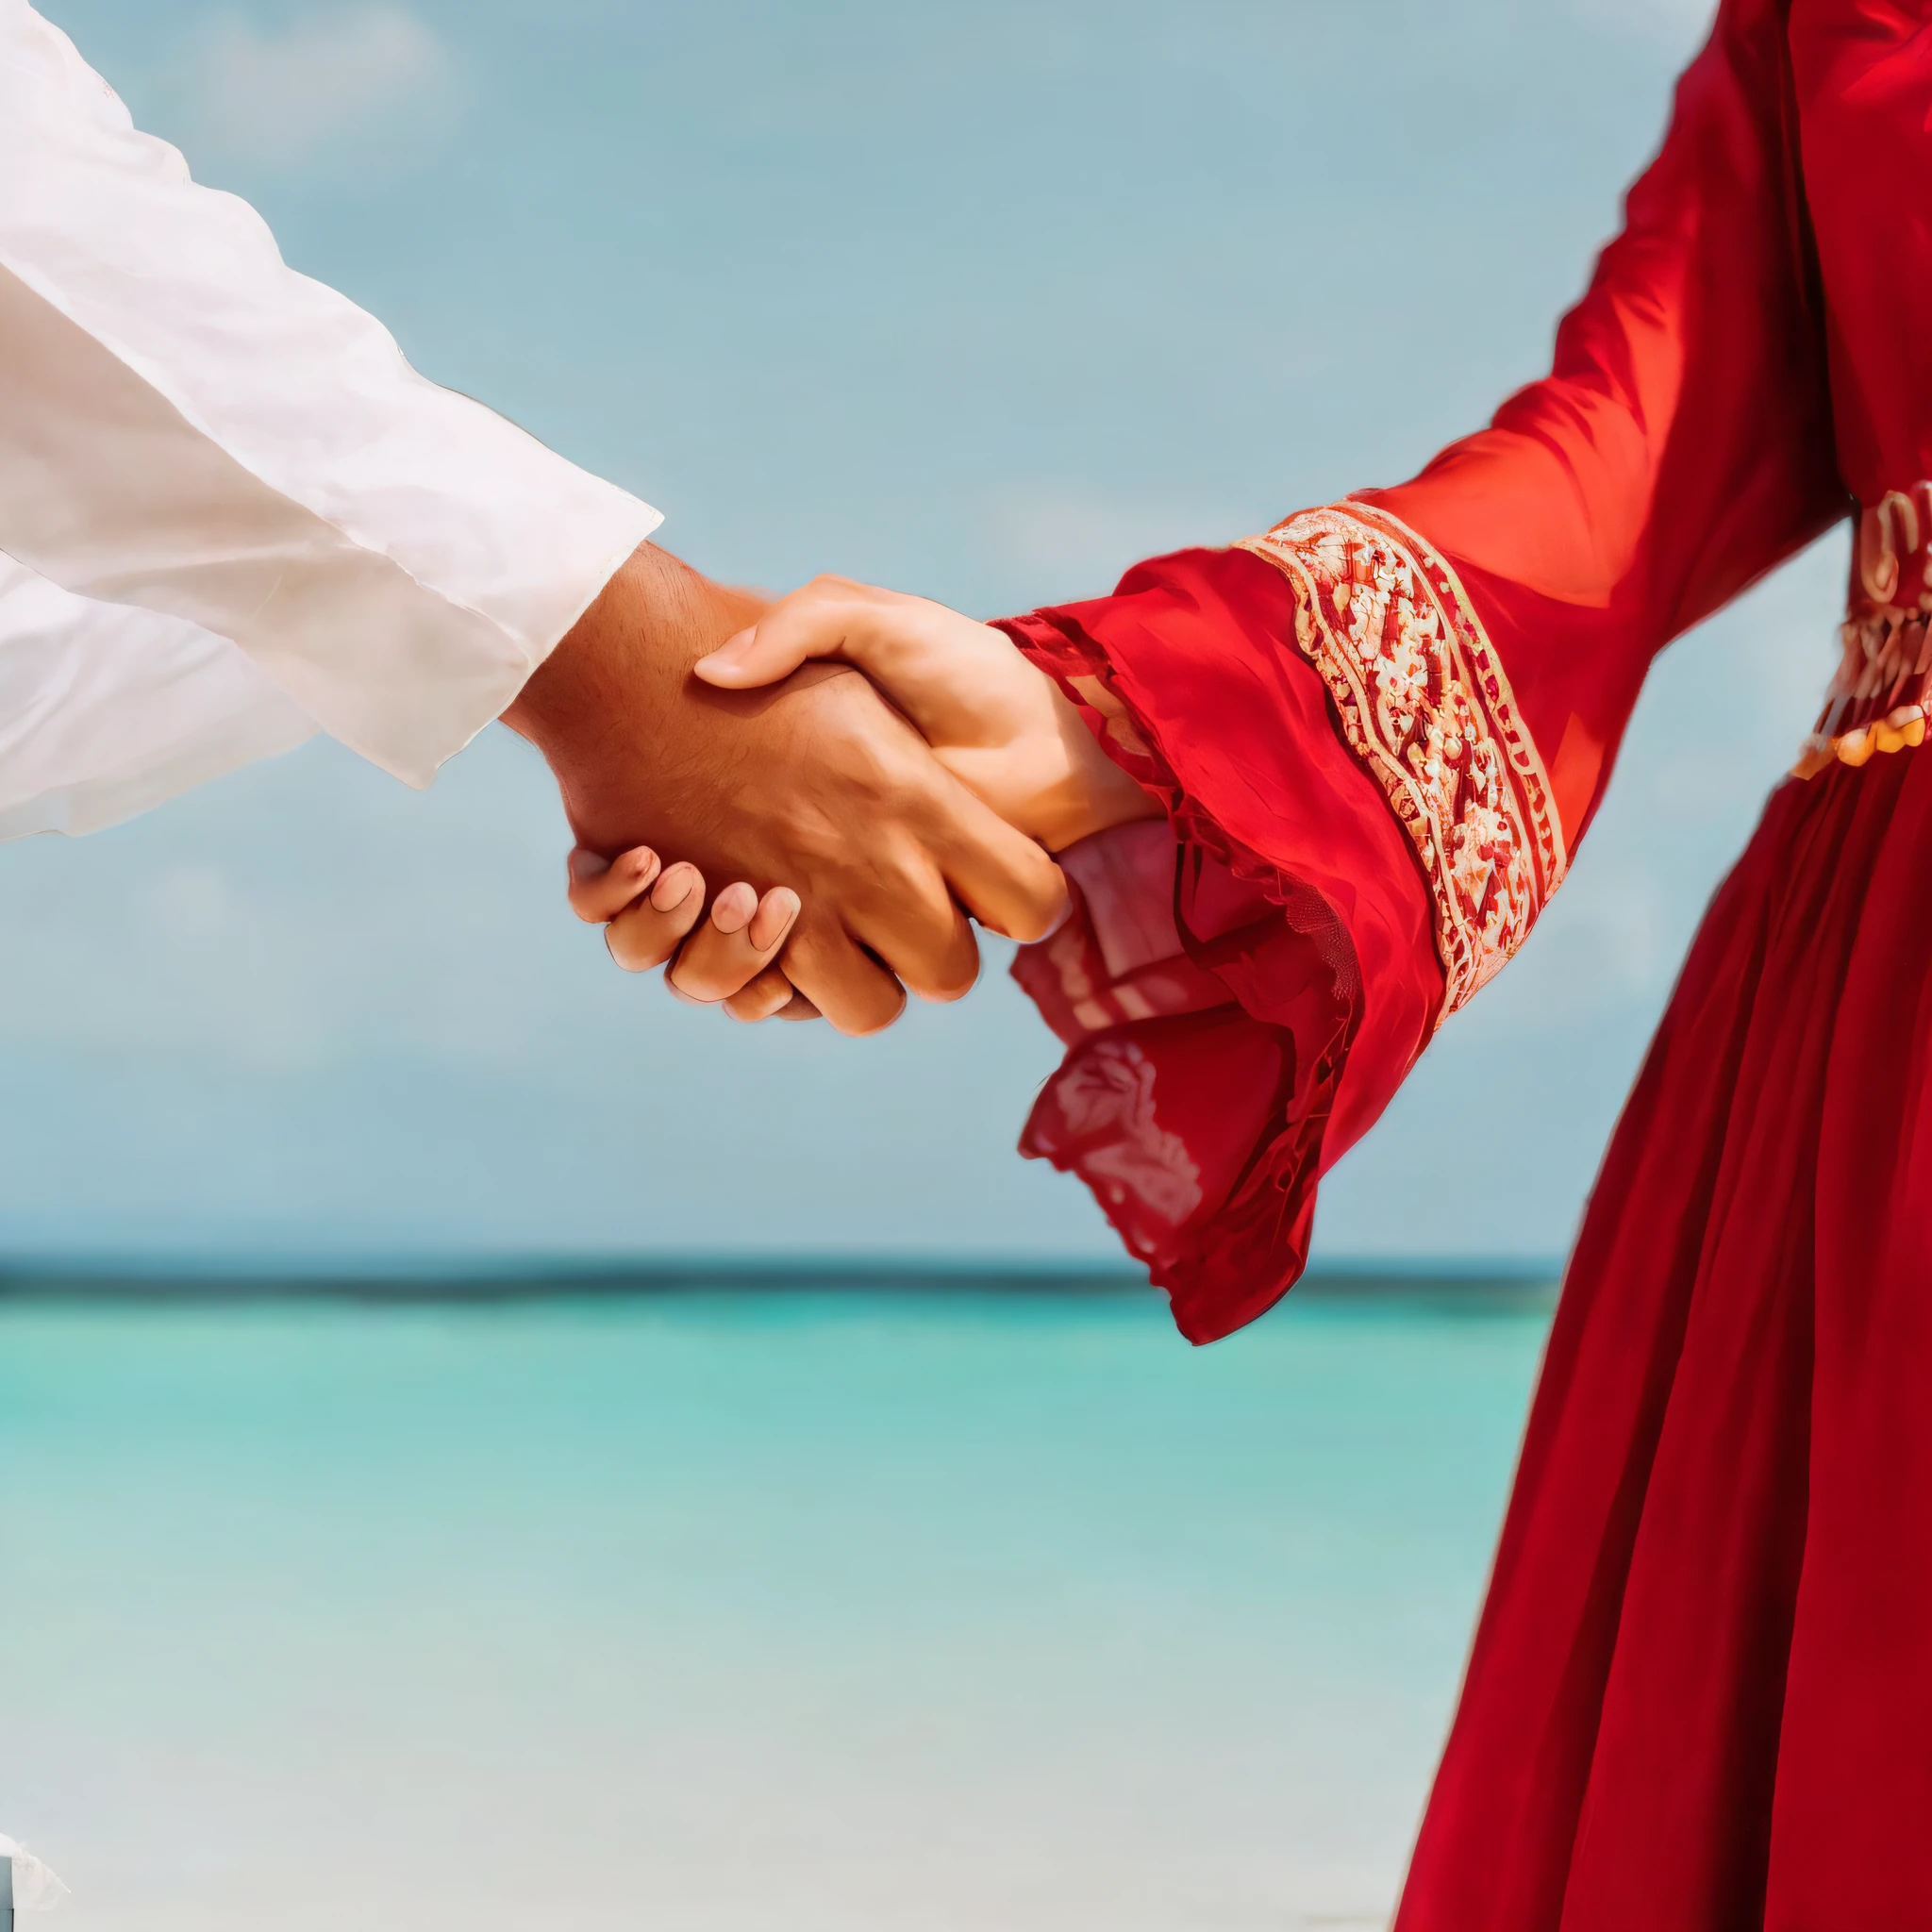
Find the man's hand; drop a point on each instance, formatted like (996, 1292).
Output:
(648, 911)
(815, 784)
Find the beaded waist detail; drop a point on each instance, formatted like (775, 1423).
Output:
(1879, 696)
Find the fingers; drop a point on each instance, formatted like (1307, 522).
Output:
(841, 980)
(730, 961)
(734, 945)
(601, 888)
(1000, 875)
(648, 933)
(768, 996)
(921, 934)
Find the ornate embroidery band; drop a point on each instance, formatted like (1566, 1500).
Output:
(1425, 705)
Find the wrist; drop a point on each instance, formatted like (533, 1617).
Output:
(1092, 794)
(600, 706)
(565, 696)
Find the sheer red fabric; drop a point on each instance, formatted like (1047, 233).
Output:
(1700, 1692)
(1286, 981)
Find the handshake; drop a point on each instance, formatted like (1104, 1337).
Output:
(866, 769)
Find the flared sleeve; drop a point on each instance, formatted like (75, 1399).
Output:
(1380, 728)
(192, 432)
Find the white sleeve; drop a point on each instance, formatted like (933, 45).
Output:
(189, 427)
(106, 709)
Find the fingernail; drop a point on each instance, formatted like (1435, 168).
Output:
(777, 909)
(586, 864)
(732, 910)
(674, 887)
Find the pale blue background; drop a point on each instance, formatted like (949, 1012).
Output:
(981, 299)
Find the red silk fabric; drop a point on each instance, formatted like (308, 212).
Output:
(1701, 1693)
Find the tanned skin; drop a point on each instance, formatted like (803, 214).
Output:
(815, 784)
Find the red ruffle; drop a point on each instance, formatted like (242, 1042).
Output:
(1239, 994)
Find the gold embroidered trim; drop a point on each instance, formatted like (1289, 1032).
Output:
(1425, 705)
(1879, 699)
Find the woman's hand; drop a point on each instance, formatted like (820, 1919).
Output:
(1001, 726)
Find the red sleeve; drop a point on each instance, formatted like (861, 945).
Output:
(1380, 729)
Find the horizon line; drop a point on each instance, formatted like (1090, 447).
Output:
(481, 1278)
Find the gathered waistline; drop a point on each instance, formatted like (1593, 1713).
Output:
(1879, 696)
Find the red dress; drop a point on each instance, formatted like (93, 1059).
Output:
(1701, 1690)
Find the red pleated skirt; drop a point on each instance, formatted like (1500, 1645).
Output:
(1700, 1697)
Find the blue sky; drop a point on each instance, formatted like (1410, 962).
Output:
(982, 300)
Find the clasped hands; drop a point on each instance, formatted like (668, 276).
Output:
(699, 734)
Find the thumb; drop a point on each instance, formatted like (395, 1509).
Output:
(771, 650)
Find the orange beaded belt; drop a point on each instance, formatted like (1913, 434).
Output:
(1883, 687)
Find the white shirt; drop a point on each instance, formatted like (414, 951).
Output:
(231, 514)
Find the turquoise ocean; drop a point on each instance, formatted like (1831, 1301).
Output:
(747, 1608)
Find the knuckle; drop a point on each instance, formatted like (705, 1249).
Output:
(698, 986)
(639, 940)
(696, 976)
(954, 980)
(628, 953)
(863, 1023)
(1034, 922)
(817, 841)
(757, 1001)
